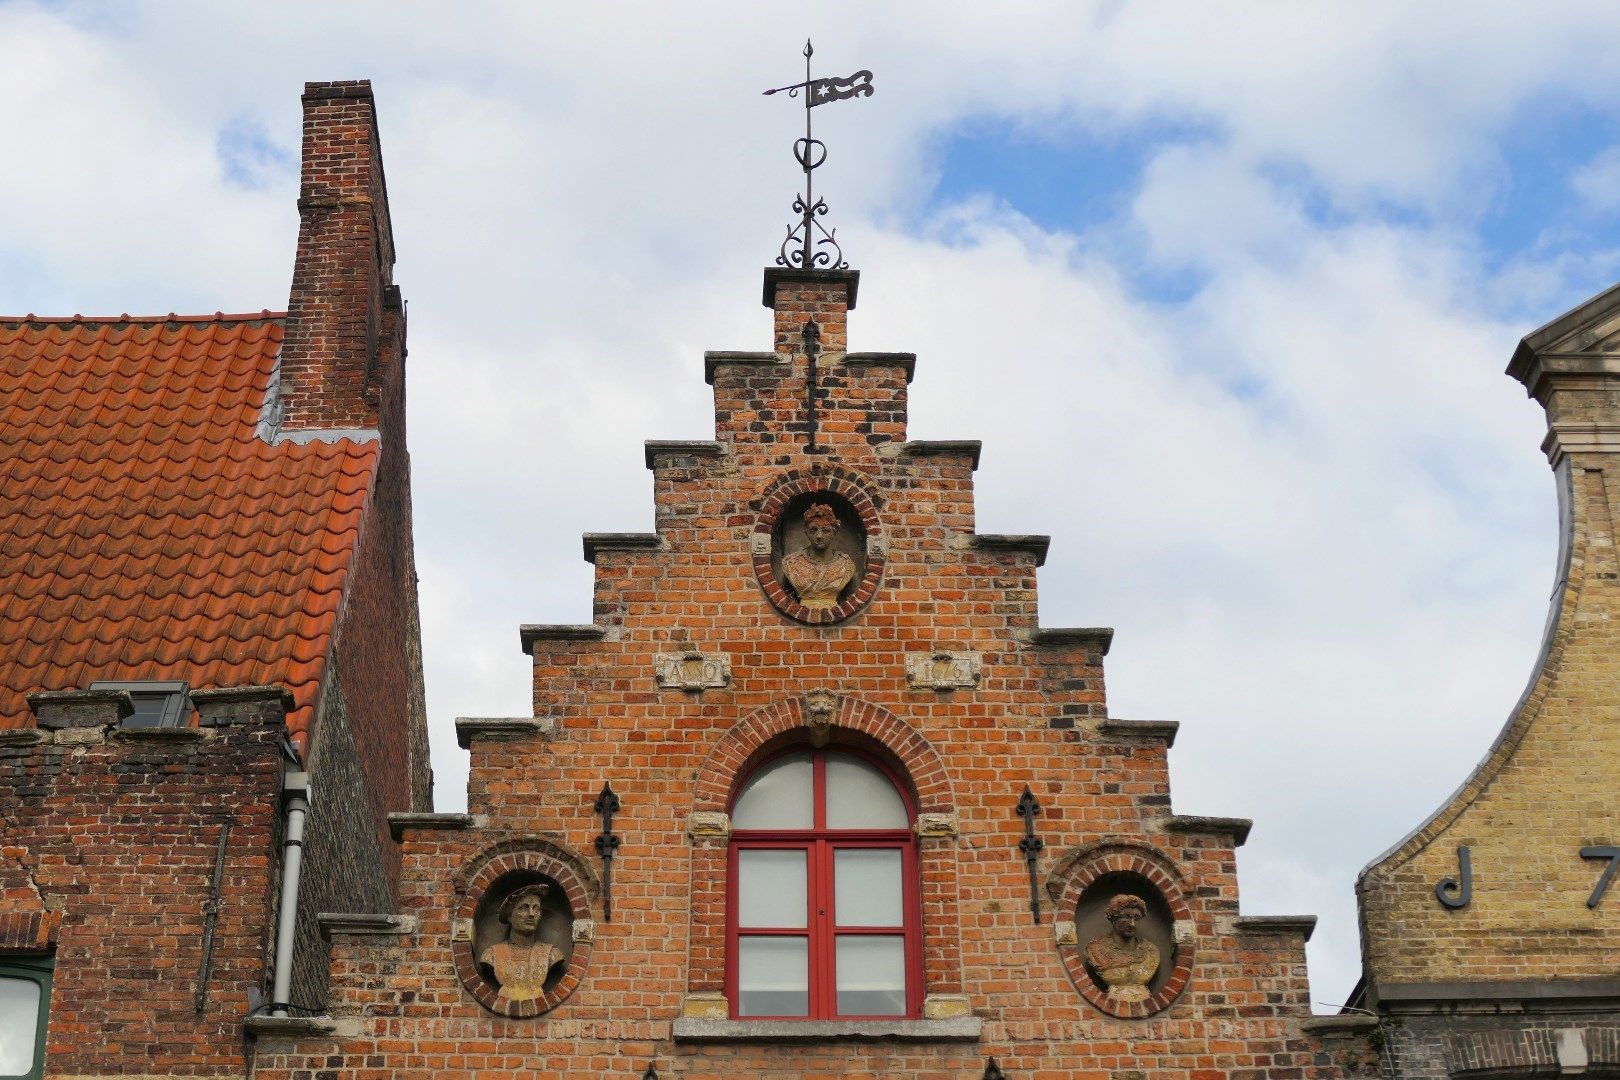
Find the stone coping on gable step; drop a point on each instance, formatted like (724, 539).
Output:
(907, 361)
(231, 695)
(355, 923)
(161, 734)
(471, 727)
(970, 448)
(1340, 1024)
(715, 357)
(652, 448)
(775, 275)
(1032, 543)
(399, 821)
(953, 1029)
(1148, 729)
(625, 541)
(295, 1027)
(529, 633)
(1101, 636)
(1275, 924)
(1235, 827)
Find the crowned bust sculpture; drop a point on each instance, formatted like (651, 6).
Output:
(521, 963)
(818, 573)
(1123, 961)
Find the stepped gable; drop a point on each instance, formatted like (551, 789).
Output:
(147, 531)
(909, 641)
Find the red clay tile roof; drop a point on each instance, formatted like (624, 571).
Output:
(146, 532)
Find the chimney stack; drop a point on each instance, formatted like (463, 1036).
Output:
(343, 306)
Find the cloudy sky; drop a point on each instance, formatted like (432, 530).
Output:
(1227, 291)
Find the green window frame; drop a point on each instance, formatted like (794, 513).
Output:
(35, 969)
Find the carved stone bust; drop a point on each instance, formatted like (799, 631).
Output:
(1122, 961)
(521, 963)
(818, 572)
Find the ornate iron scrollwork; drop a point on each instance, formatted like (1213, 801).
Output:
(607, 845)
(1031, 846)
(810, 245)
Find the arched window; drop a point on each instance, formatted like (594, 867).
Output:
(823, 913)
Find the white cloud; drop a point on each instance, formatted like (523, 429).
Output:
(1306, 496)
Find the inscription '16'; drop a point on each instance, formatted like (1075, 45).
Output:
(1456, 892)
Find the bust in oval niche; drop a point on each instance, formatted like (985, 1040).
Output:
(1127, 932)
(523, 937)
(820, 550)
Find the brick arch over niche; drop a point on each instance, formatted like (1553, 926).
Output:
(1117, 858)
(530, 857)
(850, 722)
(844, 485)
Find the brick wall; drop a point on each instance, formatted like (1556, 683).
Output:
(641, 988)
(111, 839)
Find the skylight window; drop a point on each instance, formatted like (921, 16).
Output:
(157, 704)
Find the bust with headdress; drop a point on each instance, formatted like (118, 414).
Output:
(521, 963)
(818, 572)
(1124, 961)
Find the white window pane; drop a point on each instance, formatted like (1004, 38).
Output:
(866, 887)
(773, 976)
(19, 1025)
(771, 888)
(859, 796)
(871, 976)
(779, 796)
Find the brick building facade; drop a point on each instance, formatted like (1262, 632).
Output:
(207, 584)
(898, 695)
(1490, 935)
(814, 794)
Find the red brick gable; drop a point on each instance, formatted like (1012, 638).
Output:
(146, 530)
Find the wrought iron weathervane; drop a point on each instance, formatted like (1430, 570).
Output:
(803, 248)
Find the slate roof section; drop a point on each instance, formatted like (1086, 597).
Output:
(146, 531)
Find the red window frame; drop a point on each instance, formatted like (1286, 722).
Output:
(821, 928)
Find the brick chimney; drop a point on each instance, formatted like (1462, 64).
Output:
(343, 308)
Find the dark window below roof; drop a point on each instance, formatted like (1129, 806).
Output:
(157, 704)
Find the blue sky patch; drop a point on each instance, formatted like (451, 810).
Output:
(249, 159)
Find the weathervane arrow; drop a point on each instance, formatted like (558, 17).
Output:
(802, 248)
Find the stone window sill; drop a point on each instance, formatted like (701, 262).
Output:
(955, 1029)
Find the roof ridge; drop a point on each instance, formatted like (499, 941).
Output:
(126, 317)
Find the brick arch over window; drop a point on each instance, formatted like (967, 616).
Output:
(761, 731)
(852, 722)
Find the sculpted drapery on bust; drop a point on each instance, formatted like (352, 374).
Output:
(1125, 963)
(817, 572)
(522, 962)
